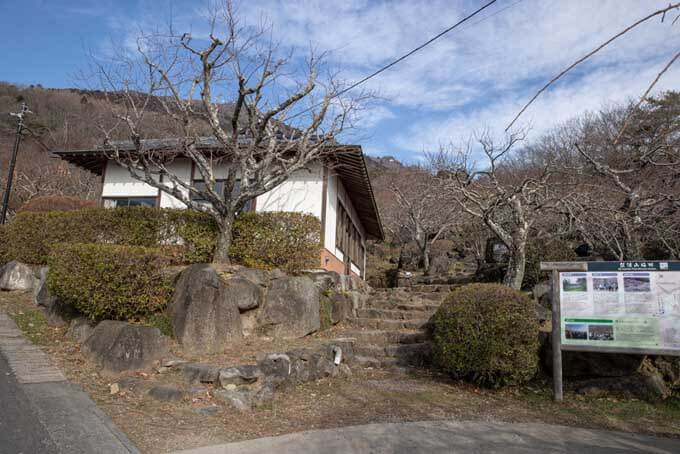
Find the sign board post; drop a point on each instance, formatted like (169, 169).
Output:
(630, 307)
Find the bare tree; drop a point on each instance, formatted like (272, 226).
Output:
(627, 176)
(509, 202)
(422, 213)
(277, 121)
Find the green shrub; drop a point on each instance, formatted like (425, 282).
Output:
(557, 250)
(186, 235)
(105, 281)
(163, 322)
(286, 240)
(487, 334)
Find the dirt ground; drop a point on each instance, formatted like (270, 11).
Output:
(369, 396)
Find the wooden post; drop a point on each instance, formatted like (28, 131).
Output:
(556, 337)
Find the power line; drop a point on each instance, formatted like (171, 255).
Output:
(425, 44)
(406, 55)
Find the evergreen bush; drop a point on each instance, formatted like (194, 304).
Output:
(187, 235)
(286, 240)
(486, 334)
(106, 281)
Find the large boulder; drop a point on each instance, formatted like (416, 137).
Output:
(341, 307)
(325, 280)
(204, 310)
(57, 312)
(119, 346)
(291, 308)
(80, 329)
(246, 294)
(17, 276)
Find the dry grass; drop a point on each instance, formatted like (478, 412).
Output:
(369, 396)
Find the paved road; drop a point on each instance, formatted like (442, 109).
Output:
(450, 437)
(41, 412)
(20, 428)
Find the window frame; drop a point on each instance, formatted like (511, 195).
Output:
(117, 199)
(348, 238)
(249, 206)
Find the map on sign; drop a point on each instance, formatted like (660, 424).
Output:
(627, 305)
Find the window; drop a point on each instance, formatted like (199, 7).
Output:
(348, 238)
(115, 202)
(219, 188)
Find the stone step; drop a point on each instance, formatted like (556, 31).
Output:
(388, 337)
(409, 297)
(403, 306)
(377, 323)
(392, 362)
(402, 351)
(420, 288)
(392, 314)
(369, 361)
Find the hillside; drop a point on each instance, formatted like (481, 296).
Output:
(68, 119)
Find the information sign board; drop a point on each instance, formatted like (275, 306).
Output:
(622, 305)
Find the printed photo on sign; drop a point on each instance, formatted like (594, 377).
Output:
(601, 332)
(606, 284)
(640, 283)
(576, 331)
(575, 284)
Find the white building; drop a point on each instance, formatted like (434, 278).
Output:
(340, 195)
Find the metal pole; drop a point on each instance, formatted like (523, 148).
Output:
(556, 337)
(13, 161)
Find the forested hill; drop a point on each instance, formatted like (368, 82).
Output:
(66, 119)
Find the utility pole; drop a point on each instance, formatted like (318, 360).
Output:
(13, 161)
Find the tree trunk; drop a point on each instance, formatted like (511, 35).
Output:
(516, 264)
(224, 239)
(425, 256)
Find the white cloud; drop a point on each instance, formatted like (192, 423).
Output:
(590, 93)
(478, 75)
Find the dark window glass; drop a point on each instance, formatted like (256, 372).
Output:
(115, 202)
(200, 186)
(219, 188)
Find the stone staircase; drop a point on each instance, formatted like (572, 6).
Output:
(393, 327)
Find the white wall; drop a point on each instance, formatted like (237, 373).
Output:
(182, 169)
(302, 192)
(119, 183)
(336, 191)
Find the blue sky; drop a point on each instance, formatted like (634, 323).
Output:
(475, 78)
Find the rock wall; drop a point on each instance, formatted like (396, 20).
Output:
(212, 304)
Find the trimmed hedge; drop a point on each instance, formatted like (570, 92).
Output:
(286, 240)
(487, 334)
(106, 281)
(186, 235)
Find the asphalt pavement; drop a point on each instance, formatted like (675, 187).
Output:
(20, 428)
(430, 437)
(41, 412)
